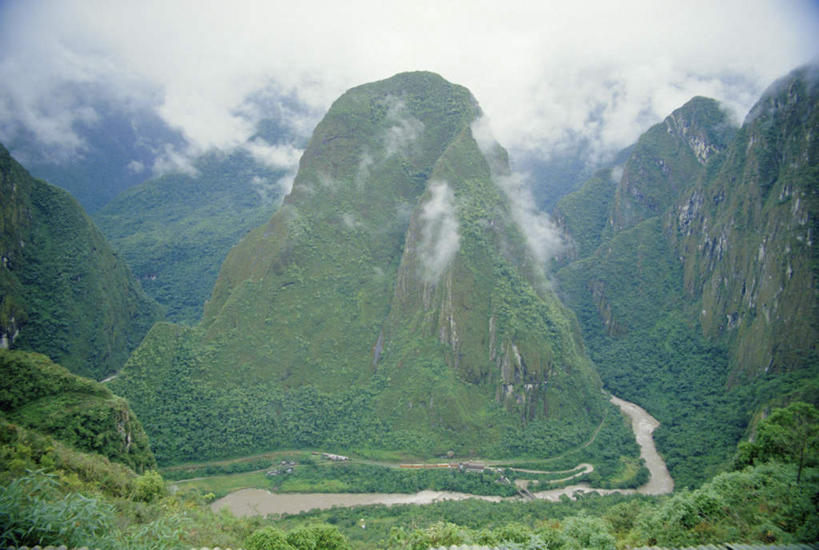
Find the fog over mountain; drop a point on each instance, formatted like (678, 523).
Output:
(549, 74)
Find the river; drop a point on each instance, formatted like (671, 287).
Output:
(248, 502)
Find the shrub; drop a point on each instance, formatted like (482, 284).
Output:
(268, 538)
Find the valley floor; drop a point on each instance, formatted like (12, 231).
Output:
(255, 501)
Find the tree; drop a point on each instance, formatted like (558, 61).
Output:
(268, 538)
(788, 435)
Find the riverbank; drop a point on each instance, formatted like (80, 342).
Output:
(247, 502)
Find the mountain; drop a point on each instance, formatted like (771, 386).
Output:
(63, 291)
(674, 281)
(42, 396)
(746, 234)
(175, 230)
(664, 160)
(391, 302)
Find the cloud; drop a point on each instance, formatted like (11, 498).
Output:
(364, 164)
(547, 72)
(351, 221)
(405, 129)
(277, 157)
(270, 189)
(283, 157)
(439, 239)
(543, 238)
(616, 174)
(174, 160)
(135, 167)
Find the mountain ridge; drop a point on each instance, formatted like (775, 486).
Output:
(394, 268)
(668, 293)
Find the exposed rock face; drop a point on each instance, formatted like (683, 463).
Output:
(666, 159)
(63, 291)
(745, 234)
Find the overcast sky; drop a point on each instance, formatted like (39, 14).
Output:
(541, 70)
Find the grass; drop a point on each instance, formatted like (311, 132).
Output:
(225, 484)
(631, 468)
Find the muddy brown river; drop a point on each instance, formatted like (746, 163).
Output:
(249, 502)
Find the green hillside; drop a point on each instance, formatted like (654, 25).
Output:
(63, 291)
(696, 227)
(583, 214)
(45, 397)
(175, 231)
(389, 303)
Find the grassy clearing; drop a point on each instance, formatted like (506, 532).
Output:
(224, 484)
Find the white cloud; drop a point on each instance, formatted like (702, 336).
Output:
(282, 157)
(405, 129)
(270, 189)
(543, 238)
(351, 221)
(545, 71)
(439, 239)
(277, 157)
(616, 174)
(135, 167)
(172, 160)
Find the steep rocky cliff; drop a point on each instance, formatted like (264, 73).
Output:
(745, 233)
(698, 297)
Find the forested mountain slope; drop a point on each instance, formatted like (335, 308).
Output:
(175, 230)
(703, 276)
(63, 291)
(392, 301)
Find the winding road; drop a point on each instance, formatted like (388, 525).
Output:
(247, 502)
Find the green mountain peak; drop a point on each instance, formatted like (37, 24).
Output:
(665, 159)
(393, 272)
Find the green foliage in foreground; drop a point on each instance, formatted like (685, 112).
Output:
(756, 505)
(790, 434)
(314, 537)
(79, 503)
(39, 509)
(33, 511)
(43, 396)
